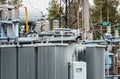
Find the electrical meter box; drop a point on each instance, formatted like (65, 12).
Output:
(78, 70)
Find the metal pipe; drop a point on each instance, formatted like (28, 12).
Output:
(26, 16)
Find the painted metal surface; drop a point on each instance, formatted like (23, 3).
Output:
(8, 62)
(26, 62)
(38, 61)
(93, 56)
(95, 62)
(48, 61)
(52, 62)
(78, 70)
(34, 14)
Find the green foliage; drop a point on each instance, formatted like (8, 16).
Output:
(116, 28)
(112, 6)
(106, 7)
(72, 15)
(54, 11)
(15, 2)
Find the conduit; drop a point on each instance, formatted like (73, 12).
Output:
(26, 16)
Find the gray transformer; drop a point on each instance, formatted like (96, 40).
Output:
(26, 62)
(48, 61)
(17, 62)
(43, 61)
(8, 62)
(52, 61)
(95, 61)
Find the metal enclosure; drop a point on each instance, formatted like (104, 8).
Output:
(52, 62)
(78, 70)
(8, 62)
(95, 62)
(34, 14)
(43, 61)
(48, 61)
(26, 62)
(94, 57)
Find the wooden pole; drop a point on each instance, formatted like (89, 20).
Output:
(86, 16)
(109, 27)
(101, 20)
(66, 13)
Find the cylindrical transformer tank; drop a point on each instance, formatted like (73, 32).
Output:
(34, 14)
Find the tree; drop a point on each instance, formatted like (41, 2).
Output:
(72, 14)
(72, 8)
(12, 2)
(15, 2)
(54, 11)
(105, 10)
(111, 5)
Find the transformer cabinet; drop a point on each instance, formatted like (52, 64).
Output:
(95, 60)
(33, 61)
(78, 70)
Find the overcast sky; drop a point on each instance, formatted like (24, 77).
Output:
(39, 4)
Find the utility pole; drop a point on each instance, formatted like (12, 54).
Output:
(101, 20)
(60, 15)
(109, 27)
(78, 12)
(75, 13)
(86, 17)
(66, 12)
(69, 14)
(78, 23)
